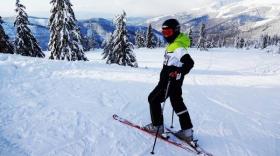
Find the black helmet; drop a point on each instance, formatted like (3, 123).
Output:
(171, 23)
(175, 26)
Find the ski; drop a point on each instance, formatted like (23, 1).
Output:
(194, 144)
(168, 139)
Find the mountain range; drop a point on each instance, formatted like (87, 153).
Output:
(100, 28)
(230, 18)
(224, 19)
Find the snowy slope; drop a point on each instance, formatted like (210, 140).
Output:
(58, 108)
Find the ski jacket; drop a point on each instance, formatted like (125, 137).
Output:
(176, 57)
(176, 50)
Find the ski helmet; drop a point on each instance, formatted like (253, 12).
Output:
(170, 30)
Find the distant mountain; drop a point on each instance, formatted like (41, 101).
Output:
(100, 27)
(223, 18)
(230, 18)
(221, 3)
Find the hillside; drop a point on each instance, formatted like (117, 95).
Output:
(100, 28)
(228, 18)
(58, 108)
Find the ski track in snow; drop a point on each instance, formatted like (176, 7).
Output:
(57, 108)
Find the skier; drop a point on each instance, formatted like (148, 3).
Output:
(176, 65)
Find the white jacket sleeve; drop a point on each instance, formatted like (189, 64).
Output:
(175, 57)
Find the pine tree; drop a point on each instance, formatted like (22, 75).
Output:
(269, 40)
(211, 44)
(219, 44)
(65, 40)
(202, 42)
(264, 41)
(5, 45)
(108, 50)
(247, 44)
(140, 39)
(149, 37)
(25, 43)
(275, 40)
(236, 42)
(224, 42)
(119, 49)
(190, 34)
(242, 43)
(256, 44)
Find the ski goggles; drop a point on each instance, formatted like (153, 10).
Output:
(167, 32)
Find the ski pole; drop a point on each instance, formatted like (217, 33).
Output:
(166, 93)
(172, 119)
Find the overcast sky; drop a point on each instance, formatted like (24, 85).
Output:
(105, 8)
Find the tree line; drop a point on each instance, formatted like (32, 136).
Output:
(206, 41)
(66, 42)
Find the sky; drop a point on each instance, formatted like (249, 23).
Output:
(105, 8)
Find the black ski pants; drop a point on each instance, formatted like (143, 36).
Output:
(157, 96)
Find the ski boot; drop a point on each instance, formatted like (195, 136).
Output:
(185, 135)
(153, 129)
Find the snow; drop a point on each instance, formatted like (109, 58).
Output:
(59, 108)
(262, 9)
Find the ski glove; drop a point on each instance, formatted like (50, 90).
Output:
(175, 75)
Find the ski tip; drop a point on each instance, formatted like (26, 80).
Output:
(115, 116)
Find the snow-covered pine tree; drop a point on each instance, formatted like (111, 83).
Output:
(241, 43)
(121, 52)
(264, 41)
(202, 39)
(237, 42)
(25, 43)
(150, 37)
(5, 45)
(275, 40)
(256, 44)
(108, 49)
(190, 34)
(269, 40)
(140, 39)
(219, 44)
(211, 43)
(65, 39)
(224, 42)
(247, 44)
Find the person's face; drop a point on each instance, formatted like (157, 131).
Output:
(167, 32)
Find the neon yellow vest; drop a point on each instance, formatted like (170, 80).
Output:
(182, 41)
